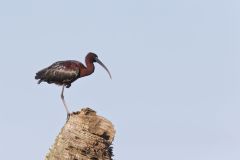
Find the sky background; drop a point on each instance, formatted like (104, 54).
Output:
(175, 66)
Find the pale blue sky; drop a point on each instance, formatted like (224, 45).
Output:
(175, 66)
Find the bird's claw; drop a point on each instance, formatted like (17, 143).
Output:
(68, 116)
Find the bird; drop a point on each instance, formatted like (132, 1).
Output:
(64, 73)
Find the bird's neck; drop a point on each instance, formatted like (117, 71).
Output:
(89, 69)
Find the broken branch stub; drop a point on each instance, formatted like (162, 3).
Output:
(85, 136)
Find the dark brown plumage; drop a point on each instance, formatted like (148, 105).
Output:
(64, 73)
(61, 73)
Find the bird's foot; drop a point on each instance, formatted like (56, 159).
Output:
(68, 116)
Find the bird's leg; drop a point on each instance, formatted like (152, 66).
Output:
(62, 97)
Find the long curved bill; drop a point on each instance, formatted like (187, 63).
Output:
(99, 62)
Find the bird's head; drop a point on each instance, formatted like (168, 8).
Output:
(92, 57)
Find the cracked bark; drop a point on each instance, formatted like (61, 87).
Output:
(85, 136)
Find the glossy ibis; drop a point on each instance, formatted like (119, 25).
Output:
(63, 73)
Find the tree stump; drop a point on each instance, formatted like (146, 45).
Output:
(85, 136)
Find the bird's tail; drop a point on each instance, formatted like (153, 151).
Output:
(39, 75)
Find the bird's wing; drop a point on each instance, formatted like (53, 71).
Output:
(60, 72)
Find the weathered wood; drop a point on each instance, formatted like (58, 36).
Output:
(85, 136)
